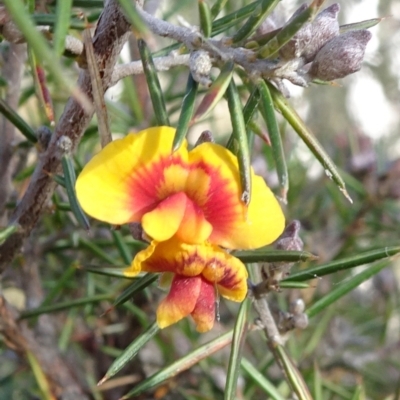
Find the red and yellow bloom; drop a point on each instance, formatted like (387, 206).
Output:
(189, 204)
(200, 272)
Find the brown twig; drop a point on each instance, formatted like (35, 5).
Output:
(110, 35)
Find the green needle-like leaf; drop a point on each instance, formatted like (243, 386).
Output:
(122, 247)
(138, 26)
(287, 32)
(224, 23)
(137, 286)
(268, 112)
(70, 179)
(63, 14)
(186, 112)
(17, 121)
(344, 263)
(239, 337)
(293, 375)
(308, 138)
(267, 255)
(5, 233)
(42, 49)
(258, 16)
(369, 23)
(342, 289)
(181, 365)
(261, 380)
(205, 18)
(65, 305)
(240, 140)
(130, 352)
(153, 83)
(217, 7)
(214, 93)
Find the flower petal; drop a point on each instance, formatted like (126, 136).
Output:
(229, 274)
(162, 222)
(180, 301)
(204, 311)
(124, 180)
(235, 226)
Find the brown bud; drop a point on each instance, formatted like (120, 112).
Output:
(324, 27)
(341, 56)
(290, 240)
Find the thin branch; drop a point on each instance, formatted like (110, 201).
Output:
(13, 60)
(136, 67)
(111, 33)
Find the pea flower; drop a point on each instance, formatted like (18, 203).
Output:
(192, 195)
(189, 205)
(199, 273)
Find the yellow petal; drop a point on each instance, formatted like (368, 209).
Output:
(121, 183)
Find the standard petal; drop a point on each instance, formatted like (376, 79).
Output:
(122, 182)
(235, 226)
(204, 311)
(180, 301)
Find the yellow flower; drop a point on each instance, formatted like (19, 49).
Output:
(189, 204)
(192, 195)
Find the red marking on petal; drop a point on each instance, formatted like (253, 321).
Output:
(147, 184)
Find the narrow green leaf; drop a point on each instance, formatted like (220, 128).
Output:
(308, 138)
(108, 271)
(344, 263)
(65, 305)
(222, 24)
(359, 393)
(239, 336)
(122, 247)
(17, 121)
(288, 31)
(63, 15)
(156, 94)
(40, 376)
(138, 26)
(51, 20)
(70, 178)
(214, 93)
(264, 8)
(99, 252)
(42, 49)
(317, 383)
(137, 286)
(268, 113)
(293, 285)
(130, 352)
(293, 375)
(369, 23)
(186, 112)
(267, 255)
(261, 380)
(97, 90)
(344, 288)
(181, 365)
(205, 18)
(217, 7)
(240, 139)
(5, 233)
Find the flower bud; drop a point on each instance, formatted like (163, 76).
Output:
(341, 56)
(324, 27)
